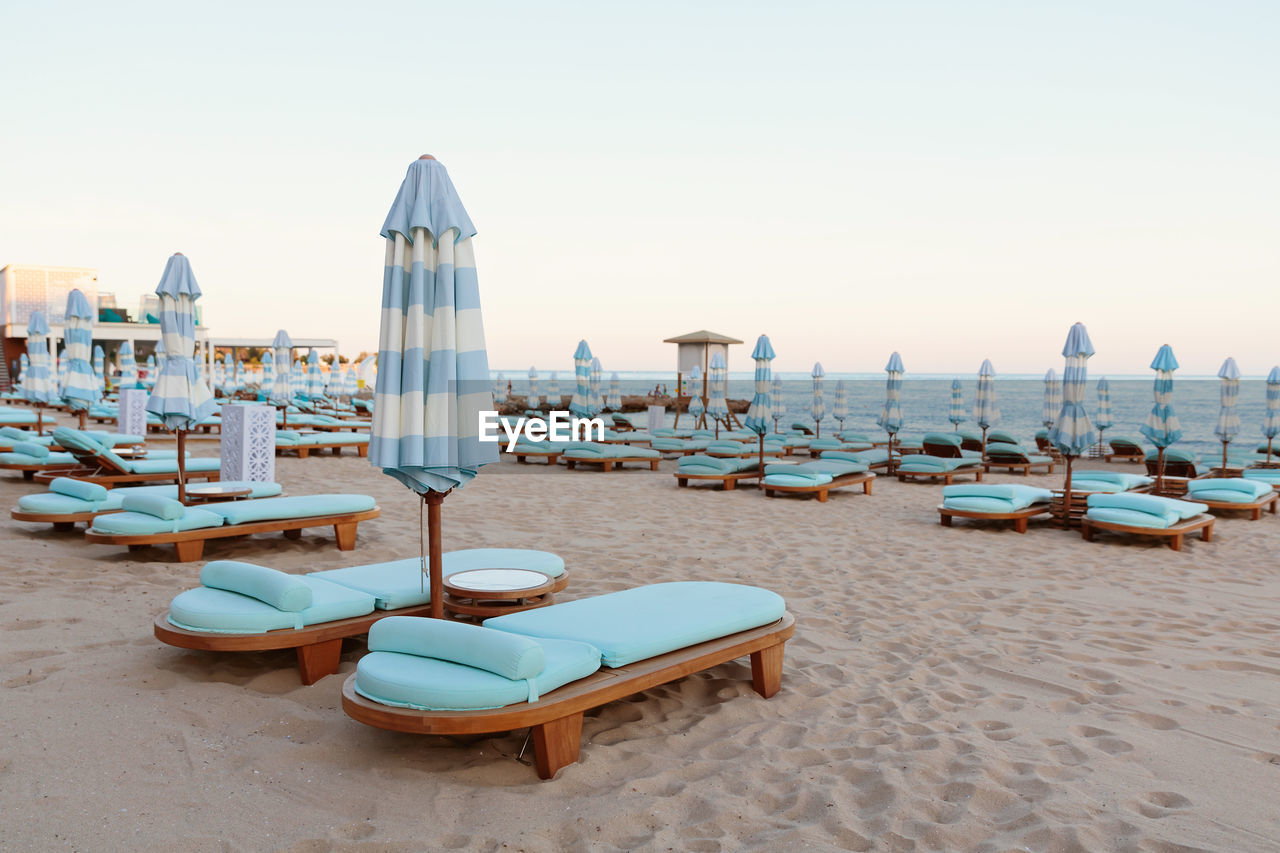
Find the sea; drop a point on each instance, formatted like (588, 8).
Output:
(926, 400)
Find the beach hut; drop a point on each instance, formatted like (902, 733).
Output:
(890, 419)
(1271, 420)
(760, 413)
(1162, 427)
(956, 411)
(697, 349)
(818, 408)
(426, 422)
(1228, 425)
(1071, 431)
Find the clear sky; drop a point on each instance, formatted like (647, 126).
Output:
(953, 180)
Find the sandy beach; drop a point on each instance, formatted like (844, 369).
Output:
(947, 689)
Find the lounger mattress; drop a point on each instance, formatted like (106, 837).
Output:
(219, 611)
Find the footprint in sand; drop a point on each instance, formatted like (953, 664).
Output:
(995, 729)
(1102, 739)
(1155, 721)
(1158, 804)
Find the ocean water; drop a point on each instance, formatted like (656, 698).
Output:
(925, 402)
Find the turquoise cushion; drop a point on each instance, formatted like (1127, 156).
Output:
(1016, 495)
(1125, 444)
(698, 464)
(499, 652)
(921, 464)
(1001, 436)
(287, 437)
(52, 503)
(1147, 503)
(1132, 518)
(161, 507)
(826, 444)
(1172, 454)
(336, 438)
(1228, 489)
(281, 591)
(542, 448)
(145, 524)
(874, 456)
(636, 624)
(835, 467)
(1264, 475)
(26, 435)
(223, 612)
(30, 448)
(193, 465)
(409, 681)
(795, 474)
(949, 438)
(791, 479)
(300, 506)
(732, 447)
(81, 489)
(976, 503)
(1100, 481)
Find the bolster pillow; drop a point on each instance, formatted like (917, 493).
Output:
(981, 490)
(1252, 488)
(14, 433)
(1147, 503)
(161, 507)
(499, 652)
(81, 489)
(28, 448)
(281, 591)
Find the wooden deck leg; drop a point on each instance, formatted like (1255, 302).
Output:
(653, 464)
(63, 526)
(1207, 533)
(319, 659)
(979, 473)
(728, 485)
(189, 550)
(768, 493)
(866, 487)
(1175, 542)
(1255, 515)
(682, 482)
(28, 475)
(337, 451)
(1086, 531)
(1020, 525)
(292, 533)
(766, 670)
(556, 744)
(568, 463)
(944, 520)
(303, 452)
(345, 533)
(822, 496)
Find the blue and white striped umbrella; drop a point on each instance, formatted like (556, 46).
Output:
(128, 366)
(615, 393)
(500, 390)
(840, 405)
(1052, 399)
(776, 403)
(1162, 427)
(1105, 419)
(298, 379)
(159, 355)
(100, 369)
(717, 405)
(179, 398)
(1271, 421)
(64, 364)
(268, 380)
(956, 412)
(152, 372)
(597, 385)
(433, 371)
(24, 364)
(818, 408)
(37, 379)
(532, 399)
(890, 419)
(580, 403)
(985, 411)
(315, 377)
(281, 391)
(760, 414)
(241, 379)
(219, 373)
(1071, 432)
(350, 385)
(697, 406)
(554, 398)
(1228, 426)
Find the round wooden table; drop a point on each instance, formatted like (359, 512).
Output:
(481, 593)
(214, 492)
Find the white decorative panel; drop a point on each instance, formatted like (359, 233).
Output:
(249, 443)
(132, 419)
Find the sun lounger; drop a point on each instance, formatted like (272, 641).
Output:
(1014, 457)
(304, 443)
(1177, 463)
(1146, 515)
(947, 445)
(69, 501)
(629, 437)
(922, 466)
(1234, 493)
(670, 445)
(30, 458)
(18, 417)
(1088, 480)
(730, 449)
(993, 502)
(1124, 449)
(1001, 436)
(610, 456)
(98, 463)
(548, 450)
(1270, 476)
(818, 445)
(241, 609)
(877, 458)
(726, 471)
(541, 668)
(149, 520)
(816, 478)
(9, 436)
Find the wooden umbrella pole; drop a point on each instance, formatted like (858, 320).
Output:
(39, 419)
(1066, 497)
(1159, 470)
(1224, 459)
(435, 552)
(182, 466)
(83, 414)
(1268, 451)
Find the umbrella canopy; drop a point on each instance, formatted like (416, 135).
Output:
(760, 414)
(1071, 431)
(985, 411)
(840, 405)
(219, 373)
(1162, 427)
(890, 419)
(580, 403)
(350, 385)
(24, 364)
(696, 405)
(150, 381)
(553, 391)
(1105, 419)
(596, 376)
(179, 398)
(1052, 399)
(532, 401)
(615, 393)
(100, 369)
(717, 405)
(1271, 421)
(37, 379)
(281, 391)
(64, 364)
(1228, 426)
(956, 411)
(268, 375)
(128, 366)
(775, 400)
(314, 388)
(500, 390)
(819, 406)
(242, 376)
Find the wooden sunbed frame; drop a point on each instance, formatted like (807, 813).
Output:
(551, 458)
(556, 718)
(29, 471)
(349, 426)
(1174, 533)
(727, 481)
(304, 450)
(1018, 517)
(865, 478)
(59, 520)
(607, 464)
(1267, 502)
(745, 454)
(942, 451)
(1136, 455)
(1010, 462)
(189, 544)
(109, 480)
(947, 476)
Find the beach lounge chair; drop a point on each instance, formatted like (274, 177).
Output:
(672, 446)
(1015, 457)
(633, 436)
(621, 423)
(257, 609)
(818, 445)
(993, 502)
(1146, 515)
(541, 668)
(1001, 436)
(332, 423)
(876, 459)
(99, 463)
(18, 417)
(816, 478)
(69, 501)
(12, 435)
(150, 520)
(303, 444)
(1234, 493)
(30, 459)
(947, 445)
(726, 471)
(1270, 476)
(548, 450)
(610, 456)
(970, 439)
(1177, 463)
(730, 449)
(1124, 449)
(922, 466)
(1089, 480)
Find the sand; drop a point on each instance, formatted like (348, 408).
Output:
(947, 689)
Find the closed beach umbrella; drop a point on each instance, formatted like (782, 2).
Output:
(697, 405)
(580, 403)
(100, 369)
(533, 401)
(890, 419)
(717, 405)
(128, 366)
(315, 378)
(1104, 419)
(268, 375)
(64, 364)
(1162, 427)
(179, 399)
(350, 385)
(282, 386)
(80, 387)
(500, 390)
(597, 379)
(1052, 399)
(775, 401)
(615, 393)
(840, 405)
(818, 408)
(37, 379)
(1072, 432)
(433, 375)
(1271, 421)
(956, 411)
(298, 378)
(553, 392)
(219, 374)
(1228, 426)
(241, 377)
(985, 411)
(152, 372)
(24, 364)
(760, 413)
